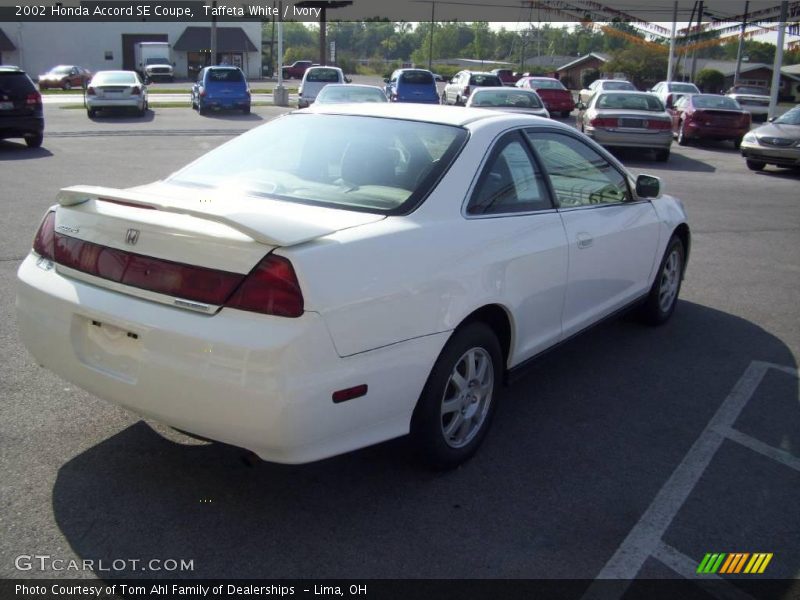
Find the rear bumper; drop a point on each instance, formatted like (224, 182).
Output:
(100, 103)
(224, 103)
(259, 382)
(20, 126)
(714, 133)
(626, 139)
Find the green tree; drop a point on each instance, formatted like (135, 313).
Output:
(642, 64)
(710, 80)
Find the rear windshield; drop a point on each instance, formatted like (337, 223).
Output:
(618, 85)
(114, 78)
(224, 75)
(630, 102)
(417, 77)
(683, 87)
(487, 80)
(324, 75)
(370, 164)
(546, 84)
(336, 94)
(508, 98)
(756, 91)
(15, 83)
(715, 102)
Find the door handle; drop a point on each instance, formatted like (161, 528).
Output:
(584, 240)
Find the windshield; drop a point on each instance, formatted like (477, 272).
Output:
(371, 164)
(324, 75)
(630, 102)
(715, 102)
(114, 78)
(789, 118)
(507, 98)
(157, 61)
(337, 94)
(417, 78)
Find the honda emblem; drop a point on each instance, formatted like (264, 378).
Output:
(132, 236)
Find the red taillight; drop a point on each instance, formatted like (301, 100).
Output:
(247, 92)
(90, 91)
(43, 243)
(604, 122)
(135, 91)
(466, 90)
(33, 98)
(271, 288)
(659, 125)
(187, 282)
(203, 91)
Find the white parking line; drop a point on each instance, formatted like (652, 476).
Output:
(644, 540)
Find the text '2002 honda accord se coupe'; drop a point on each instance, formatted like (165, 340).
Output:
(342, 277)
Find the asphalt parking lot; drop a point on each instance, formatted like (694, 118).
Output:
(628, 452)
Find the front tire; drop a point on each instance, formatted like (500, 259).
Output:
(663, 296)
(456, 407)
(662, 155)
(565, 113)
(755, 165)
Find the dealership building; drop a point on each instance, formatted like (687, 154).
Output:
(97, 46)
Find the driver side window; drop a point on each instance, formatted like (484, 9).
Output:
(579, 175)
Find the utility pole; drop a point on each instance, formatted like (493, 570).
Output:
(776, 66)
(694, 52)
(671, 63)
(741, 45)
(214, 33)
(430, 46)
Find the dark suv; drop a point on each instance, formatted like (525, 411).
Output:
(21, 112)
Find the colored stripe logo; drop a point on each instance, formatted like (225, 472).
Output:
(734, 563)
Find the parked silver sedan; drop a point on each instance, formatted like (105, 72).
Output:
(776, 143)
(510, 100)
(116, 89)
(627, 120)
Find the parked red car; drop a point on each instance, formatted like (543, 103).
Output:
(65, 77)
(507, 76)
(297, 69)
(709, 116)
(556, 98)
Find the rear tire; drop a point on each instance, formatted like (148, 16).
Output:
(67, 85)
(246, 110)
(34, 140)
(737, 143)
(91, 112)
(565, 113)
(755, 165)
(663, 296)
(444, 98)
(456, 407)
(201, 110)
(662, 155)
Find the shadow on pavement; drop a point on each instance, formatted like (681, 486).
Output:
(19, 150)
(580, 447)
(636, 158)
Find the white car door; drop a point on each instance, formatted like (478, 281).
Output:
(612, 237)
(512, 206)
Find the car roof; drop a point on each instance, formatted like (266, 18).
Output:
(628, 93)
(115, 71)
(10, 69)
(432, 113)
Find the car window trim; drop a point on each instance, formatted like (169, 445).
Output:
(489, 155)
(634, 199)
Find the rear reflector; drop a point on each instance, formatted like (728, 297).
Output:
(43, 243)
(271, 288)
(188, 282)
(350, 393)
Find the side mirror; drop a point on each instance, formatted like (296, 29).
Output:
(348, 80)
(648, 186)
(771, 119)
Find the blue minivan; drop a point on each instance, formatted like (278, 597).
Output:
(412, 85)
(221, 87)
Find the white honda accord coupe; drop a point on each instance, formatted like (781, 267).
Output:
(336, 278)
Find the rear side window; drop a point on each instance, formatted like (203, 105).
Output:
(417, 78)
(15, 83)
(510, 182)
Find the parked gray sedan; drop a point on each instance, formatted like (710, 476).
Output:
(627, 120)
(776, 143)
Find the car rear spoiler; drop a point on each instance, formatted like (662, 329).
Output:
(266, 221)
